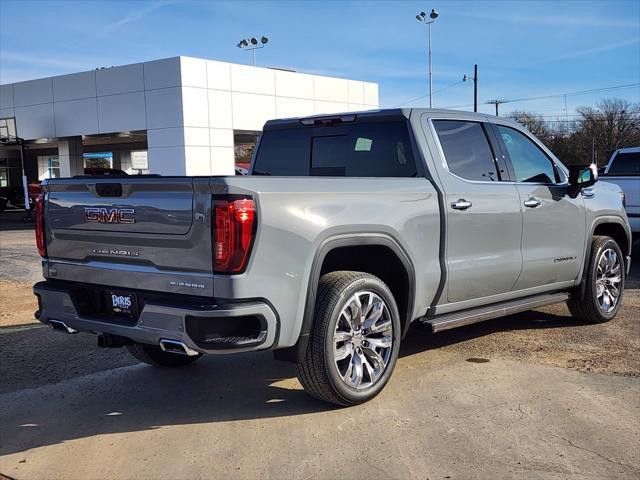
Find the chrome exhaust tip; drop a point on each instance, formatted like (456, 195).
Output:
(60, 326)
(177, 347)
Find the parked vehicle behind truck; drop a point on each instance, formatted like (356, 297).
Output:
(623, 169)
(348, 229)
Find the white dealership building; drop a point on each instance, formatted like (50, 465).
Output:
(186, 116)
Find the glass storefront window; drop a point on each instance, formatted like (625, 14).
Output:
(244, 142)
(98, 160)
(48, 167)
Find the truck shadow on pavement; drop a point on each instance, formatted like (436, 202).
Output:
(60, 388)
(419, 338)
(215, 389)
(139, 397)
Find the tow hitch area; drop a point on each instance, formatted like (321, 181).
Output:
(112, 341)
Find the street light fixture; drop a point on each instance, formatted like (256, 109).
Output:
(252, 45)
(422, 17)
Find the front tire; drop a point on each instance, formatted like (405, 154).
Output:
(604, 287)
(355, 339)
(155, 356)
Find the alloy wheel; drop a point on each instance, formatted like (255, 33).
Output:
(608, 280)
(363, 340)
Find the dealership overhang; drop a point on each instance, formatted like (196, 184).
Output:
(175, 116)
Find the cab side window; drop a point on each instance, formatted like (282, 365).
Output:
(530, 164)
(466, 150)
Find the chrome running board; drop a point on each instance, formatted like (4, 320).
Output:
(448, 321)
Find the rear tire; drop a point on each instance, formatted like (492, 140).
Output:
(354, 341)
(604, 283)
(154, 355)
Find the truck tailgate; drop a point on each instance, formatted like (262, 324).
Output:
(149, 233)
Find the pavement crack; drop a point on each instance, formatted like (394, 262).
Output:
(476, 412)
(569, 443)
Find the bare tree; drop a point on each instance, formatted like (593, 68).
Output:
(600, 131)
(613, 124)
(534, 123)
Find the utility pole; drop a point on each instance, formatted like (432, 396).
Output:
(497, 104)
(430, 70)
(475, 88)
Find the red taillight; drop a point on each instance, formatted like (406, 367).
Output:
(234, 229)
(41, 241)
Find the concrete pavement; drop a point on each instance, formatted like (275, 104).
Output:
(441, 416)
(472, 403)
(20, 259)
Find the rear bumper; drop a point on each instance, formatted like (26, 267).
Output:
(206, 328)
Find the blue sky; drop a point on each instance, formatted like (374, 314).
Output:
(523, 49)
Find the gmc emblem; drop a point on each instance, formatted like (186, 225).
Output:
(109, 215)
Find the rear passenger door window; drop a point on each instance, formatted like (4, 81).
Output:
(530, 164)
(467, 150)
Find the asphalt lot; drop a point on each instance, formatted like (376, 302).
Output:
(534, 395)
(20, 259)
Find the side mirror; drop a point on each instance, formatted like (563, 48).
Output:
(581, 176)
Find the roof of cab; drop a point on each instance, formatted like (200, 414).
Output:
(385, 114)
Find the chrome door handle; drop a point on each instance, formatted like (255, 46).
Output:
(461, 204)
(588, 193)
(532, 203)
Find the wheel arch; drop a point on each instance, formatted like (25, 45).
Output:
(611, 226)
(340, 252)
(615, 230)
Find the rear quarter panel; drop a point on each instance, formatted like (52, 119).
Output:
(297, 214)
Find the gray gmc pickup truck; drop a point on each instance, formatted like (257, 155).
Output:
(348, 229)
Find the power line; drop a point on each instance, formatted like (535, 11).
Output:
(558, 95)
(571, 94)
(459, 106)
(570, 121)
(436, 91)
(629, 113)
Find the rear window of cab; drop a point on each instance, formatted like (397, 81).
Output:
(381, 149)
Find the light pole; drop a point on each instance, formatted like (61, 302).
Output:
(422, 18)
(252, 45)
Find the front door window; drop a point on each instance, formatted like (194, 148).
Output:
(530, 164)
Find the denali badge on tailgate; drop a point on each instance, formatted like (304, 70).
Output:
(111, 251)
(109, 215)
